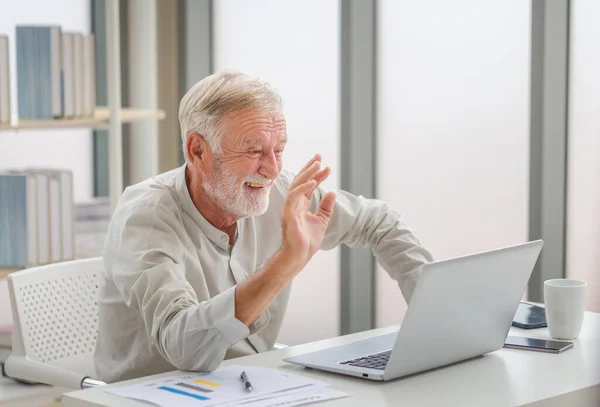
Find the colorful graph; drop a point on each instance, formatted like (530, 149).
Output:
(197, 388)
(191, 387)
(206, 382)
(183, 393)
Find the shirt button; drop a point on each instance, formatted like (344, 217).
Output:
(223, 238)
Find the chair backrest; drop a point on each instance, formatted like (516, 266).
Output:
(55, 314)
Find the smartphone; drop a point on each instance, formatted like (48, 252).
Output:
(538, 345)
(529, 316)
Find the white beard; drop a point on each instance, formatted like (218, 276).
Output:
(242, 202)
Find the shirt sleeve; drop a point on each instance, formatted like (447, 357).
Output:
(144, 257)
(371, 223)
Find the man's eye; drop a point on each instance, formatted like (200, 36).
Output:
(279, 153)
(255, 152)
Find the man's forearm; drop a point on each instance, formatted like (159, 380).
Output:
(253, 296)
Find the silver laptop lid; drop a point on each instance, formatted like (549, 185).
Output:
(462, 308)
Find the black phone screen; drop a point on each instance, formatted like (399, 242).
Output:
(544, 345)
(529, 316)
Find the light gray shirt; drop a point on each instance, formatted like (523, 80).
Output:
(168, 296)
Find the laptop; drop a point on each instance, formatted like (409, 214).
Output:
(461, 308)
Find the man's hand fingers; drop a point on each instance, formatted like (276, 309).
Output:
(301, 176)
(326, 207)
(306, 175)
(298, 192)
(322, 175)
(317, 157)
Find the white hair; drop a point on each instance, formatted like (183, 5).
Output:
(202, 108)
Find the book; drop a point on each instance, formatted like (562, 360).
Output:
(37, 218)
(67, 215)
(42, 216)
(68, 75)
(31, 215)
(56, 72)
(4, 80)
(13, 220)
(92, 220)
(32, 227)
(39, 69)
(78, 59)
(55, 212)
(89, 73)
(61, 214)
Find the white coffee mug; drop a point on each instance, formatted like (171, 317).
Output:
(565, 307)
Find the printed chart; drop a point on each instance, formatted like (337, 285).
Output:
(225, 387)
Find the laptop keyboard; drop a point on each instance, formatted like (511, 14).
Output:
(374, 361)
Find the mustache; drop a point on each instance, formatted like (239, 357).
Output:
(259, 179)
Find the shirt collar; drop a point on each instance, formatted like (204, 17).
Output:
(217, 236)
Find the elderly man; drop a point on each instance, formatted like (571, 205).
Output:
(200, 260)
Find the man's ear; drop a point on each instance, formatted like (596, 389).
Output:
(197, 150)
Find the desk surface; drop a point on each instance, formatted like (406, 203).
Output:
(503, 378)
(19, 394)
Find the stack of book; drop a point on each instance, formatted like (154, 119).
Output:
(55, 73)
(92, 219)
(36, 217)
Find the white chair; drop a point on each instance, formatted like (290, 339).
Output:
(55, 317)
(55, 320)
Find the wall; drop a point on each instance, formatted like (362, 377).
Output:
(71, 148)
(453, 126)
(583, 160)
(295, 47)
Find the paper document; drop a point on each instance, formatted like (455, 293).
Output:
(291, 400)
(224, 387)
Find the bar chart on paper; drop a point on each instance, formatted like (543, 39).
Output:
(204, 387)
(224, 387)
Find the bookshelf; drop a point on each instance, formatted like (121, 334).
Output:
(100, 120)
(5, 271)
(109, 117)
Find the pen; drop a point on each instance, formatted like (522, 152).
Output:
(247, 383)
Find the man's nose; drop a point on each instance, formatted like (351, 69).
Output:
(268, 165)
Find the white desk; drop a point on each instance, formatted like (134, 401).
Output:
(13, 394)
(503, 378)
